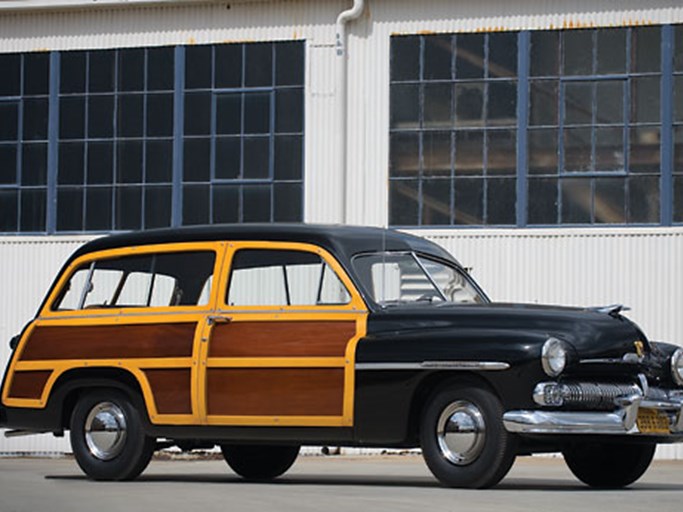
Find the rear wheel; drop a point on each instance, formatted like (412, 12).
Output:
(259, 462)
(463, 439)
(611, 465)
(107, 437)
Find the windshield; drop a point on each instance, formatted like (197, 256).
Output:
(408, 278)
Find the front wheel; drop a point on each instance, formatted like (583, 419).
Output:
(107, 437)
(463, 439)
(259, 462)
(609, 466)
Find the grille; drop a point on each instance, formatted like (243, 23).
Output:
(591, 395)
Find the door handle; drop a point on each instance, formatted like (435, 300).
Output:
(218, 319)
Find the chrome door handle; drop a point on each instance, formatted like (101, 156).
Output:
(218, 319)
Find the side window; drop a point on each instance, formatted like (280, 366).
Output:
(154, 280)
(283, 278)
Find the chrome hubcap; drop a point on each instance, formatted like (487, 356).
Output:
(105, 430)
(460, 432)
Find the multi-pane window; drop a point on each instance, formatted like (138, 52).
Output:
(592, 144)
(151, 137)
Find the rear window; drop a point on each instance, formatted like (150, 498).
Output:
(151, 280)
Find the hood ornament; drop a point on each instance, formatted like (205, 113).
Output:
(640, 348)
(612, 310)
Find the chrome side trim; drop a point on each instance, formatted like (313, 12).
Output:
(436, 365)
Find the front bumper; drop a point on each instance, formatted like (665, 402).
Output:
(635, 414)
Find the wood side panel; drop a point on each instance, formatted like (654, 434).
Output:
(282, 339)
(171, 390)
(276, 392)
(110, 341)
(29, 384)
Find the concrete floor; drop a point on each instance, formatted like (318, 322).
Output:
(343, 483)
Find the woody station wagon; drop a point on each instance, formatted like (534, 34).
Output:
(263, 338)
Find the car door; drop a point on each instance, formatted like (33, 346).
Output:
(280, 349)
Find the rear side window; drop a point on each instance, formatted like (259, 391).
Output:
(151, 280)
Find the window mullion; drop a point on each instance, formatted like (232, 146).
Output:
(666, 144)
(52, 144)
(523, 56)
(178, 124)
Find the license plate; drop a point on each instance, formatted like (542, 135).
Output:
(651, 421)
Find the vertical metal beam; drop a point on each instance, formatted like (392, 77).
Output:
(178, 128)
(523, 53)
(52, 144)
(666, 107)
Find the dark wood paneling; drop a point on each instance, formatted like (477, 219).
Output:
(29, 384)
(171, 390)
(281, 339)
(276, 392)
(110, 341)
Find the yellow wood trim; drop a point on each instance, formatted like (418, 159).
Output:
(276, 362)
(350, 370)
(277, 421)
(63, 365)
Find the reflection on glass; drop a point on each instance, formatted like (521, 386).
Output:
(610, 201)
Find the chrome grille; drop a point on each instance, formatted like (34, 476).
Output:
(593, 395)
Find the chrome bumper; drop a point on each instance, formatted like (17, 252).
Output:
(623, 420)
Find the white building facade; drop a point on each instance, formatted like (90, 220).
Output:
(540, 142)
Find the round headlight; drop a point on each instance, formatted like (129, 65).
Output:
(677, 366)
(553, 357)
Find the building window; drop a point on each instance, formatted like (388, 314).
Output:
(590, 149)
(111, 140)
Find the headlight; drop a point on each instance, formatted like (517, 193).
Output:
(553, 357)
(677, 366)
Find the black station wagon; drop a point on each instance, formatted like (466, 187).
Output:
(263, 338)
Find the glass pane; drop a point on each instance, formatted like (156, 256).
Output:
(160, 115)
(101, 70)
(404, 155)
(8, 210)
(468, 201)
(259, 64)
(257, 112)
(128, 208)
(436, 153)
(196, 159)
(501, 152)
(256, 203)
(157, 207)
(228, 151)
(228, 66)
(405, 106)
(289, 63)
(34, 164)
(159, 161)
(405, 58)
(438, 52)
(543, 204)
(609, 149)
(198, 114)
(37, 73)
(101, 117)
(678, 149)
(611, 50)
(197, 67)
(501, 198)
(288, 157)
(225, 204)
(610, 102)
(577, 149)
(578, 52)
(644, 153)
(643, 200)
(610, 201)
(196, 203)
(9, 117)
(229, 113)
(287, 202)
(256, 158)
(8, 164)
(502, 54)
(69, 209)
(502, 104)
(10, 76)
(678, 47)
(71, 117)
(100, 162)
(678, 200)
(130, 115)
(469, 60)
(160, 67)
(436, 202)
(469, 152)
(647, 44)
(576, 201)
(545, 53)
(469, 104)
(678, 99)
(543, 103)
(132, 69)
(72, 72)
(32, 210)
(98, 208)
(645, 100)
(578, 103)
(35, 119)
(542, 151)
(403, 202)
(437, 105)
(71, 163)
(289, 110)
(129, 161)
